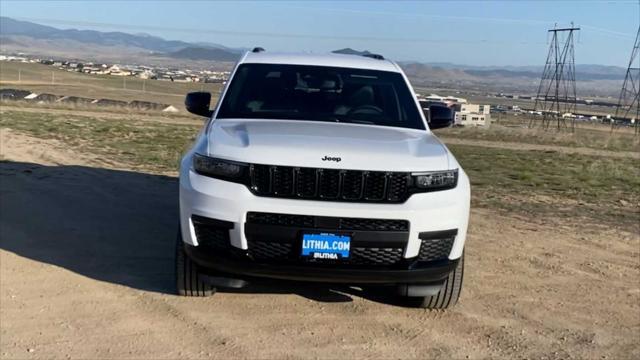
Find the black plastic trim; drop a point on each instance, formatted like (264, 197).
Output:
(428, 235)
(212, 222)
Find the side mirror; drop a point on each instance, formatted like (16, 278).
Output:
(440, 116)
(198, 103)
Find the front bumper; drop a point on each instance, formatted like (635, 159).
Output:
(230, 202)
(239, 265)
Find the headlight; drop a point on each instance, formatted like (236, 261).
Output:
(218, 168)
(436, 180)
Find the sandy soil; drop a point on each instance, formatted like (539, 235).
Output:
(86, 271)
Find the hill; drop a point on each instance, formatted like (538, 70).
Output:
(25, 36)
(11, 27)
(203, 53)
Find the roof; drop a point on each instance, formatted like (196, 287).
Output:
(336, 60)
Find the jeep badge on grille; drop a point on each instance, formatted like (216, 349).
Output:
(329, 158)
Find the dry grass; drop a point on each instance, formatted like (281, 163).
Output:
(593, 136)
(539, 183)
(79, 108)
(38, 78)
(154, 146)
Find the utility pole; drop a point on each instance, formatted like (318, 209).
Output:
(556, 96)
(629, 100)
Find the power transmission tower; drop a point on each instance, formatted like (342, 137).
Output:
(629, 101)
(556, 97)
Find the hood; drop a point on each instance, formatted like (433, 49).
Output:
(326, 145)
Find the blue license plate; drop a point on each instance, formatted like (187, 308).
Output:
(326, 246)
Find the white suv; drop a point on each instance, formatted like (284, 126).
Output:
(321, 168)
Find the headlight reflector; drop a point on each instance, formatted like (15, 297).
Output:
(436, 180)
(218, 168)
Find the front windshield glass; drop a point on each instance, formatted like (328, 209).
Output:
(320, 93)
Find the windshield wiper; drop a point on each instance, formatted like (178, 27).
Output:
(346, 120)
(356, 121)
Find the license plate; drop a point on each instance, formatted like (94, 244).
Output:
(326, 246)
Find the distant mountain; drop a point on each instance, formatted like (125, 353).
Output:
(201, 53)
(584, 72)
(219, 46)
(537, 69)
(9, 26)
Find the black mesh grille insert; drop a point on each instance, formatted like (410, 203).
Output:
(261, 179)
(343, 223)
(306, 183)
(329, 184)
(283, 181)
(379, 256)
(435, 249)
(352, 185)
(398, 185)
(210, 235)
(268, 251)
(375, 186)
(280, 219)
(374, 224)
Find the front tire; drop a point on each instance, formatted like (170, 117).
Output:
(448, 296)
(188, 282)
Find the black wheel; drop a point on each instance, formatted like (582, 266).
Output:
(188, 281)
(447, 296)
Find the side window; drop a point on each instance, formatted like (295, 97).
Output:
(233, 93)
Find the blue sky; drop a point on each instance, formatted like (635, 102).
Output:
(462, 32)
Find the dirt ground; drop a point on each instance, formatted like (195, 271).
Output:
(86, 271)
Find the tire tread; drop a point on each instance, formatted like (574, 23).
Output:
(188, 282)
(449, 294)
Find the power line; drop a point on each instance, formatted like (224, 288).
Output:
(483, 19)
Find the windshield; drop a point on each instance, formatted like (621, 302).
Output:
(320, 93)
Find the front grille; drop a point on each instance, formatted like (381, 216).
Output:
(339, 223)
(435, 249)
(329, 184)
(283, 253)
(267, 247)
